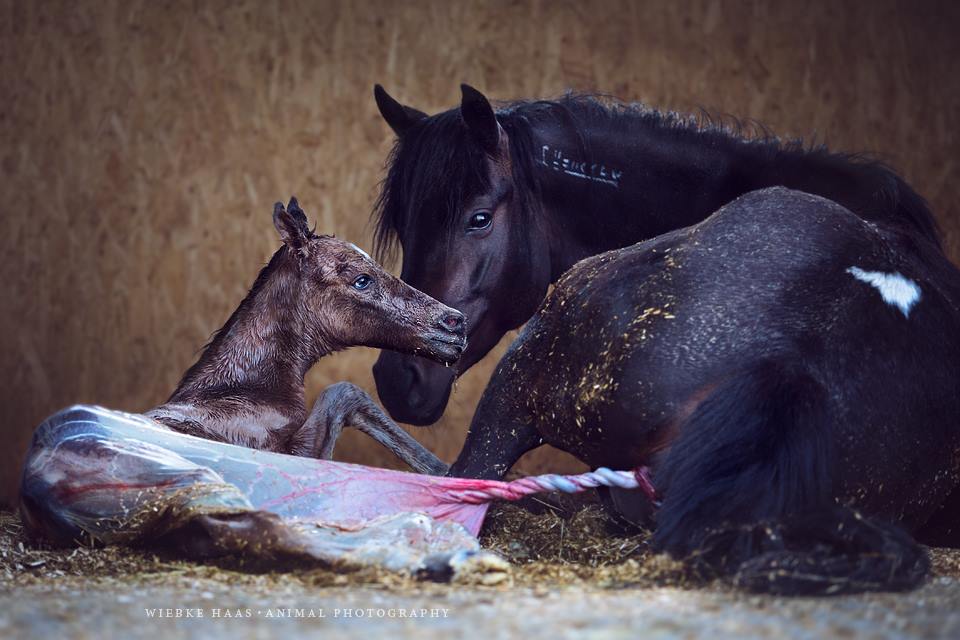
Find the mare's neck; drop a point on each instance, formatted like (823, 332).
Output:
(611, 185)
(263, 349)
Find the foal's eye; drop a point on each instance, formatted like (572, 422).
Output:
(362, 282)
(480, 220)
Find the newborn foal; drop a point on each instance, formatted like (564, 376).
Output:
(317, 295)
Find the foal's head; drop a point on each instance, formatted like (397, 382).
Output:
(345, 299)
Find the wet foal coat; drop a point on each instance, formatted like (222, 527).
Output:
(317, 295)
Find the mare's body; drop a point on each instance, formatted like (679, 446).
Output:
(786, 359)
(491, 207)
(759, 373)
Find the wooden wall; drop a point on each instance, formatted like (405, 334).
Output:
(142, 145)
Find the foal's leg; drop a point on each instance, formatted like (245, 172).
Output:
(347, 405)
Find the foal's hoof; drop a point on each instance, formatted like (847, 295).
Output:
(483, 568)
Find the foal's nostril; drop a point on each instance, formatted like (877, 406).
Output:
(453, 321)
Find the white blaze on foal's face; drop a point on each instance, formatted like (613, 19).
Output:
(896, 290)
(361, 251)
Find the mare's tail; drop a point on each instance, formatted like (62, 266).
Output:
(748, 494)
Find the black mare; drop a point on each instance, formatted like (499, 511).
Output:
(776, 362)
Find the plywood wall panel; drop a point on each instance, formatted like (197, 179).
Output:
(142, 145)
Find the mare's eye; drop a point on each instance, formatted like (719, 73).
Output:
(362, 282)
(480, 220)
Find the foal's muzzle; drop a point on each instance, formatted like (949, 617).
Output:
(448, 337)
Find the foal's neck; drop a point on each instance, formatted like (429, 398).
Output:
(264, 350)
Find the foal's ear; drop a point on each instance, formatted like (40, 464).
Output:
(291, 223)
(399, 117)
(480, 119)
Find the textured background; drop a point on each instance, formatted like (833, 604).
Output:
(142, 145)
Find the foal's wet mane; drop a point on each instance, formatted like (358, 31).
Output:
(280, 273)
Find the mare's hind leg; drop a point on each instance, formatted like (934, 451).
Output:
(747, 490)
(943, 527)
(347, 405)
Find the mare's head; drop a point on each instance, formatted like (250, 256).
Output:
(460, 208)
(345, 299)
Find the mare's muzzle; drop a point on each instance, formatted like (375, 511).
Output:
(413, 390)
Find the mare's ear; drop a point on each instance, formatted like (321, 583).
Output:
(399, 117)
(480, 119)
(291, 223)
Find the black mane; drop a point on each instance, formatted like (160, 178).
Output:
(436, 166)
(424, 176)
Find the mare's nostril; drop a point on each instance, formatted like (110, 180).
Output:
(453, 321)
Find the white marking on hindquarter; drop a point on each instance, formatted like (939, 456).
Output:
(361, 252)
(895, 290)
